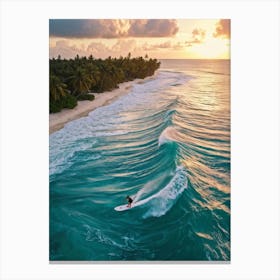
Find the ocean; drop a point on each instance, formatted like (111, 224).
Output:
(166, 144)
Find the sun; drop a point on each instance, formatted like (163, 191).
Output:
(212, 48)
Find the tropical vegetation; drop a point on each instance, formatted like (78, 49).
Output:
(76, 79)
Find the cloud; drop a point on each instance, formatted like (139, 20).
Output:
(222, 29)
(124, 46)
(66, 50)
(163, 45)
(108, 28)
(148, 47)
(198, 36)
(178, 46)
(87, 28)
(98, 49)
(152, 28)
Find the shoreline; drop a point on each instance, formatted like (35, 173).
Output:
(58, 120)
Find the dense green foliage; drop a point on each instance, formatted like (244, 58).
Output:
(86, 96)
(73, 79)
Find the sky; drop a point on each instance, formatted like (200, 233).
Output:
(158, 38)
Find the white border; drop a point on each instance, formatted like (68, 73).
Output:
(255, 138)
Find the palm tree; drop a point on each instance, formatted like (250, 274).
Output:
(80, 81)
(94, 74)
(57, 88)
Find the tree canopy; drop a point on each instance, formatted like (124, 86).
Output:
(74, 79)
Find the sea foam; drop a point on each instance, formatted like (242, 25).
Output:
(167, 135)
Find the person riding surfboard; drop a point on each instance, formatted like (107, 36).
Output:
(129, 200)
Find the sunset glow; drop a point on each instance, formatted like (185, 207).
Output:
(188, 38)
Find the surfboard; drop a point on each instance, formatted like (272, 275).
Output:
(134, 204)
(123, 207)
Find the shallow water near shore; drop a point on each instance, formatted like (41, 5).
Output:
(167, 144)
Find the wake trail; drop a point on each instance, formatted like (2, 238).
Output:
(161, 202)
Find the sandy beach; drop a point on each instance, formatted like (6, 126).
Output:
(58, 120)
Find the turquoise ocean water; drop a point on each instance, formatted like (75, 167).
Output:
(168, 142)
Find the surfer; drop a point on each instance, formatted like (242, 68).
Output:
(129, 200)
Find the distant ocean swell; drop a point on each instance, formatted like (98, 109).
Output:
(167, 144)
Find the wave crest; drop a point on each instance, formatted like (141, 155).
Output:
(169, 134)
(161, 202)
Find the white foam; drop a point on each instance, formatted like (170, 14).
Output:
(81, 134)
(167, 135)
(161, 202)
(64, 144)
